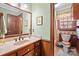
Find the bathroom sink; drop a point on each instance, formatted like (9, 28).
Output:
(21, 42)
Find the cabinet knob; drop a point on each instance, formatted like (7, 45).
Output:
(37, 43)
(28, 49)
(36, 54)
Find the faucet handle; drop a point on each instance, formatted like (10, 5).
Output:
(15, 40)
(22, 38)
(19, 38)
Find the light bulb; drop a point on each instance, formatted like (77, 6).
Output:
(25, 6)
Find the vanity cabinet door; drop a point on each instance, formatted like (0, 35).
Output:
(37, 48)
(77, 46)
(36, 44)
(37, 51)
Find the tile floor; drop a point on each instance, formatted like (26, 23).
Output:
(61, 52)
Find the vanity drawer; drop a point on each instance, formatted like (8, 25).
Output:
(10, 54)
(36, 44)
(30, 47)
(31, 53)
(25, 50)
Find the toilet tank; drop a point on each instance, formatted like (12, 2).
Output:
(65, 37)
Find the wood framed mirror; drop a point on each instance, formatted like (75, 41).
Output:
(18, 22)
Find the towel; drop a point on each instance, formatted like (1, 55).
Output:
(3, 29)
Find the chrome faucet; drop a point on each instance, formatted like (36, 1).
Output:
(20, 37)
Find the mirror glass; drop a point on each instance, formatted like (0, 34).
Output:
(16, 21)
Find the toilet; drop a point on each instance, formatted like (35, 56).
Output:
(65, 42)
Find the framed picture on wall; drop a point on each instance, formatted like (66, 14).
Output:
(39, 20)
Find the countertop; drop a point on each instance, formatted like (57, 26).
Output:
(11, 46)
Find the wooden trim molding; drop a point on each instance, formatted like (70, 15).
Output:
(45, 40)
(52, 28)
(14, 35)
(31, 24)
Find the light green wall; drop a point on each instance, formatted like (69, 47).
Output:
(41, 9)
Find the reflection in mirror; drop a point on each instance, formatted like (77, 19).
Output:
(17, 21)
(26, 23)
(14, 24)
(3, 29)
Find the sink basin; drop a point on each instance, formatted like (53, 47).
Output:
(21, 42)
(26, 38)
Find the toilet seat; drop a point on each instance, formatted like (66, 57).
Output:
(65, 43)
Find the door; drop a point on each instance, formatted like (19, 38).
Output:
(14, 25)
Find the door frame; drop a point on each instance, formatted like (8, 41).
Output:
(52, 28)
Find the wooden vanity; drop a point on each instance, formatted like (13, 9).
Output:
(31, 48)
